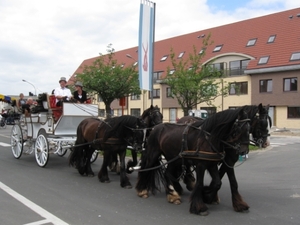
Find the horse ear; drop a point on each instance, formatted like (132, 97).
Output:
(151, 107)
(260, 106)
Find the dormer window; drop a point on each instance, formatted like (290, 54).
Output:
(271, 39)
(180, 55)
(251, 42)
(218, 48)
(164, 58)
(295, 56)
(263, 60)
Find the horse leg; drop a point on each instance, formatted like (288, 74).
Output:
(197, 205)
(89, 171)
(189, 178)
(210, 192)
(125, 183)
(131, 163)
(172, 195)
(238, 203)
(174, 175)
(114, 163)
(103, 174)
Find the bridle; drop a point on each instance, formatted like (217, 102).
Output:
(260, 133)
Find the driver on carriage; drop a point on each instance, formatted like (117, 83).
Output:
(62, 93)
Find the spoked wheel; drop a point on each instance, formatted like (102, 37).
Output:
(94, 156)
(41, 149)
(16, 141)
(61, 151)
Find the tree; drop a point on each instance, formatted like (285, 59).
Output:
(109, 79)
(191, 82)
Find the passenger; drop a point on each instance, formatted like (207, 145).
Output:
(62, 93)
(28, 105)
(21, 101)
(79, 95)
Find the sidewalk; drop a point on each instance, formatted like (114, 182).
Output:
(284, 131)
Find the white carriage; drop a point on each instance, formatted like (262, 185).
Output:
(51, 131)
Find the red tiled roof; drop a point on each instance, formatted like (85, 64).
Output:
(234, 38)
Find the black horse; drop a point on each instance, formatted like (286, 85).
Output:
(112, 136)
(201, 143)
(259, 119)
(151, 117)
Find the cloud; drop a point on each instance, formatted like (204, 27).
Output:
(42, 41)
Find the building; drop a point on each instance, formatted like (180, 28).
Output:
(261, 56)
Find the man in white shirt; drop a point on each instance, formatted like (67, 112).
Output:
(62, 93)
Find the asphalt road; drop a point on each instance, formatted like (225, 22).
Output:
(268, 181)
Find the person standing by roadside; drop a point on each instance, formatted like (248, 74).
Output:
(79, 95)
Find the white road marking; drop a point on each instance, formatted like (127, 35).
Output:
(37, 209)
(4, 144)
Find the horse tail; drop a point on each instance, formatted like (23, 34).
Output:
(151, 175)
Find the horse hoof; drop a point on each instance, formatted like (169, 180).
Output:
(91, 175)
(143, 194)
(205, 213)
(177, 202)
(127, 187)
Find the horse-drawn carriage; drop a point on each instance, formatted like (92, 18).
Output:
(50, 129)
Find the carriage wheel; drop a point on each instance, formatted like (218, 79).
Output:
(41, 149)
(61, 151)
(94, 156)
(16, 141)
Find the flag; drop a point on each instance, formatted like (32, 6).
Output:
(146, 42)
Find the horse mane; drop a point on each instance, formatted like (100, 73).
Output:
(220, 124)
(118, 126)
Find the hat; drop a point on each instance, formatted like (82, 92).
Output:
(78, 83)
(63, 79)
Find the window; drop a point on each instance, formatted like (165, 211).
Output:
(169, 92)
(180, 55)
(251, 42)
(164, 58)
(218, 48)
(295, 56)
(290, 84)
(238, 67)
(271, 39)
(265, 86)
(156, 93)
(293, 112)
(157, 76)
(263, 60)
(101, 112)
(201, 51)
(100, 99)
(135, 97)
(135, 112)
(210, 110)
(238, 88)
(218, 66)
(171, 72)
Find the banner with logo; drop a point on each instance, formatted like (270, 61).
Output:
(146, 42)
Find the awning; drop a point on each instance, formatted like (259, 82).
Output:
(7, 98)
(1, 97)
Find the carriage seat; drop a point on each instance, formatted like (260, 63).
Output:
(56, 110)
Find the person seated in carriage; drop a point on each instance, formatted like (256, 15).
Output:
(62, 93)
(80, 95)
(28, 106)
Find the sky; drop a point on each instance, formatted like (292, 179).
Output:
(42, 41)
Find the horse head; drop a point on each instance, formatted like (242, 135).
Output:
(152, 116)
(239, 134)
(260, 124)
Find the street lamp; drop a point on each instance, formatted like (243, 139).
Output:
(32, 86)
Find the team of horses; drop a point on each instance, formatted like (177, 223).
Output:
(190, 147)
